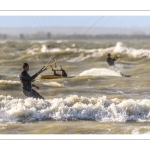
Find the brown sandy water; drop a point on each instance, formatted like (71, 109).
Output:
(94, 100)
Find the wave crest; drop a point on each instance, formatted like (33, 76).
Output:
(74, 107)
(99, 72)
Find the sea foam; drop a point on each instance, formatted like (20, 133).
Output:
(99, 72)
(74, 107)
(9, 82)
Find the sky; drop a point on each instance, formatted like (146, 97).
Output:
(75, 21)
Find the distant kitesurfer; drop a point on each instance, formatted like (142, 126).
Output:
(111, 61)
(62, 72)
(27, 80)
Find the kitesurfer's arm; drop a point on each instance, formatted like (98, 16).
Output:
(115, 58)
(25, 75)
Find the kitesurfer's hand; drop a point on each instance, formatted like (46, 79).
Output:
(119, 56)
(37, 87)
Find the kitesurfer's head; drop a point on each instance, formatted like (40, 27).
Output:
(108, 55)
(25, 66)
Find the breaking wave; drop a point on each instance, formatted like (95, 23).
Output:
(53, 84)
(9, 82)
(74, 107)
(99, 72)
(83, 54)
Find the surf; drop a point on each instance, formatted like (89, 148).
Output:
(100, 72)
(74, 107)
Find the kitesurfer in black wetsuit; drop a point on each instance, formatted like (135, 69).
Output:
(111, 61)
(27, 80)
(63, 72)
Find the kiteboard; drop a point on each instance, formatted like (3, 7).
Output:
(125, 75)
(55, 77)
(50, 77)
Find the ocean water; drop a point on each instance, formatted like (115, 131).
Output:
(95, 99)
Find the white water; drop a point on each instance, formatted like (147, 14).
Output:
(53, 84)
(87, 53)
(45, 49)
(74, 107)
(99, 72)
(9, 82)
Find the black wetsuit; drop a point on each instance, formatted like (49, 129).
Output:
(64, 74)
(110, 61)
(27, 85)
